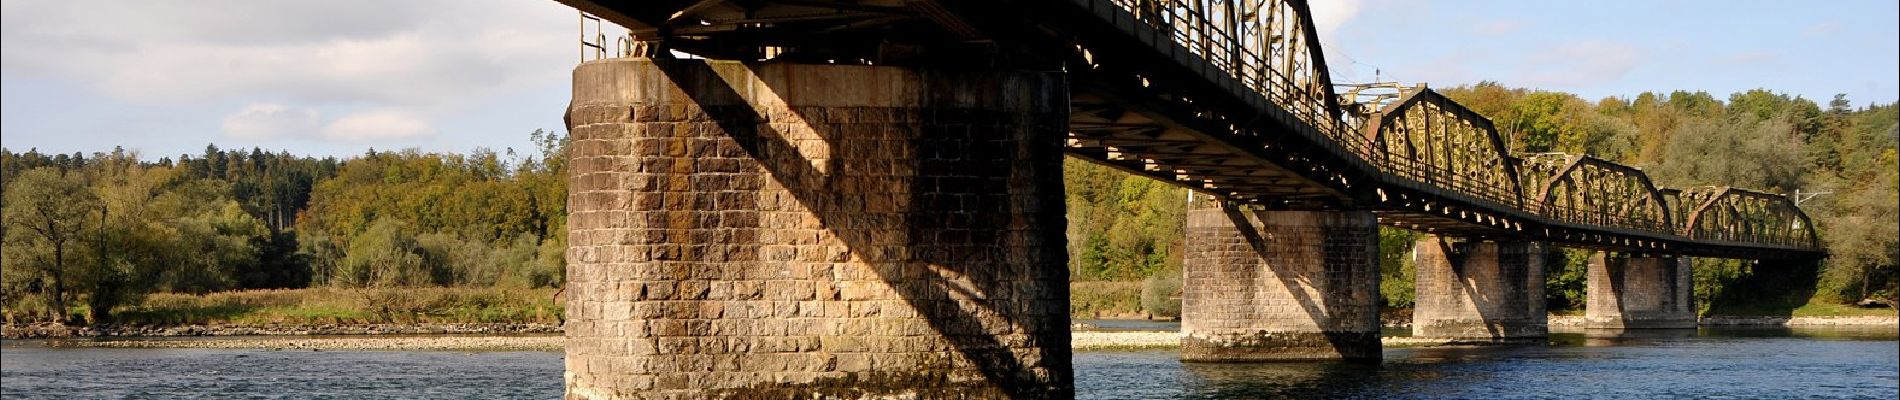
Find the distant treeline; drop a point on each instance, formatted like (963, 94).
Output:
(85, 233)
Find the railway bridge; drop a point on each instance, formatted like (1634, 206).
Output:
(789, 198)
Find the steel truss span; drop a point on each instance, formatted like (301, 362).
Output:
(1232, 98)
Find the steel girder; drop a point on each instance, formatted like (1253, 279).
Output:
(1230, 98)
(1421, 135)
(1581, 189)
(1726, 214)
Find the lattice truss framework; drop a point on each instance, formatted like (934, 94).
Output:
(1741, 215)
(1265, 51)
(1419, 134)
(1265, 54)
(1581, 189)
(1268, 45)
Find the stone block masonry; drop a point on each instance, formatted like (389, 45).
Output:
(799, 231)
(1479, 290)
(1279, 285)
(1628, 291)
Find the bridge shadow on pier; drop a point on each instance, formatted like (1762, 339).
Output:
(1459, 267)
(954, 241)
(1323, 310)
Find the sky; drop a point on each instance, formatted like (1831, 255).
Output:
(339, 77)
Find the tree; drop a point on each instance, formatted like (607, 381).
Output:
(47, 216)
(1398, 273)
(1541, 122)
(1857, 219)
(1122, 227)
(1733, 151)
(1565, 272)
(131, 243)
(386, 254)
(1161, 294)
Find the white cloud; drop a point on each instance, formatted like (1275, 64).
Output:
(267, 120)
(409, 52)
(431, 57)
(1329, 15)
(377, 125)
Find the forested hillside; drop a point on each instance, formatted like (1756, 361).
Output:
(88, 233)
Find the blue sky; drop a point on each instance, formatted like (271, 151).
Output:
(339, 77)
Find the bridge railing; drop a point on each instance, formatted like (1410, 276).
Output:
(594, 45)
(1442, 177)
(1228, 36)
(1586, 216)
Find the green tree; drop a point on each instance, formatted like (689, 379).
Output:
(48, 216)
(1857, 219)
(1161, 294)
(324, 254)
(1566, 271)
(1398, 270)
(386, 254)
(129, 243)
(1545, 121)
(1735, 151)
(1122, 226)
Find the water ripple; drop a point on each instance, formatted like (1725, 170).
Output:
(1713, 365)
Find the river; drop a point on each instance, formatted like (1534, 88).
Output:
(1711, 363)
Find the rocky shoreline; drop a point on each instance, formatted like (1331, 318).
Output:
(1576, 322)
(1799, 321)
(546, 337)
(1101, 340)
(50, 331)
(424, 343)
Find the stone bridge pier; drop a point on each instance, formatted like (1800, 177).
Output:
(1479, 290)
(788, 230)
(1639, 291)
(1279, 285)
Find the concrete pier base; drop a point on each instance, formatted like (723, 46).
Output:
(1639, 292)
(1479, 290)
(830, 231)
(1279, 285)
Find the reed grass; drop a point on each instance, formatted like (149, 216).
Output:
(348, 306)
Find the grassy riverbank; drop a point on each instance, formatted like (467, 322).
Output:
(1082, 341)
(1089, 300)
(347, 306)
(320, 306)
(1811, 309)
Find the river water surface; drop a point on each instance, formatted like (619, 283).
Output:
(1707, 364)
